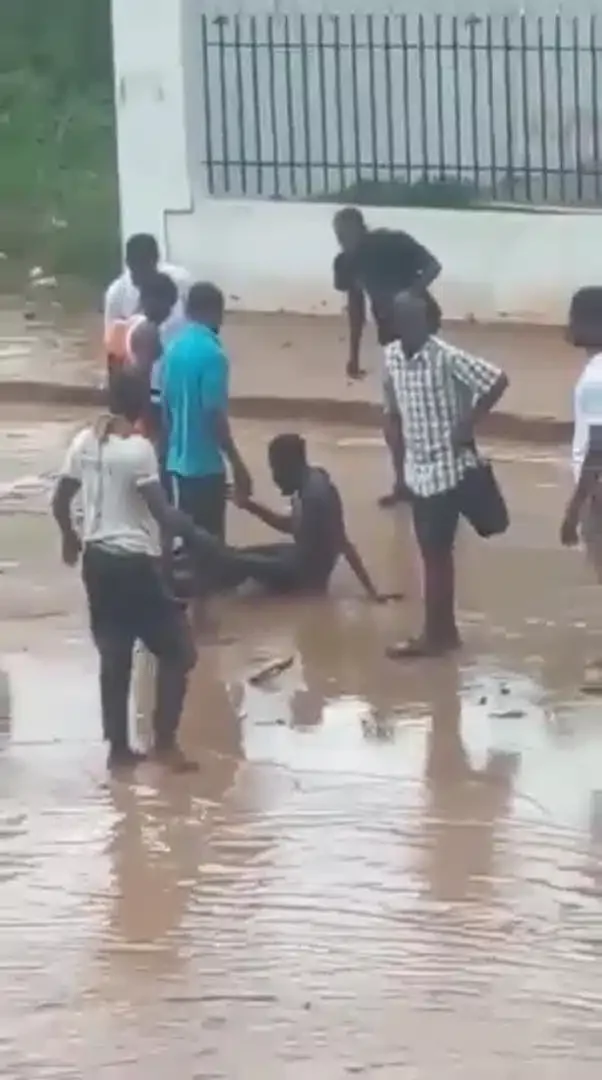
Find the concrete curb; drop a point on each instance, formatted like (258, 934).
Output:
(500, 425)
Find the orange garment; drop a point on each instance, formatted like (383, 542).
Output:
(118, 339)
(118, 350)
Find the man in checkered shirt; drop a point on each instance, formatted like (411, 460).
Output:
(438, 394)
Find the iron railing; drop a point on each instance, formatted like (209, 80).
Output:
(424, 108)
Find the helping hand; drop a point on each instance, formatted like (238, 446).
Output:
(243, 486)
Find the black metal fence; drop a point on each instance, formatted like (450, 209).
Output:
(422, 109)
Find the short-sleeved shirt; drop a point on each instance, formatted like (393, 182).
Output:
(110, 473)
(434, 390)
(318, 526)
(385, 262)
(194, 388)
(587, 408)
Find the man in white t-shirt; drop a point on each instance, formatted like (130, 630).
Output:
(584, 511)
(583, 514)
(124, 510)
(122, 299)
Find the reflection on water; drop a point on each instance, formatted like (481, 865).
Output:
(376, 868)
(379, 871)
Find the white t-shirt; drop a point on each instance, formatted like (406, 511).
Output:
(122, 300)
(587, 409)
(110, 473)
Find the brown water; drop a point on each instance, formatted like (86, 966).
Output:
(379, 872)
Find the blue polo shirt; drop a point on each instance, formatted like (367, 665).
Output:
(194, 385)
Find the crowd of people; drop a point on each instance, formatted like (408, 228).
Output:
(156, 470)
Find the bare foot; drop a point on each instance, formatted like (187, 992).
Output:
(175, 760)
(355, 373)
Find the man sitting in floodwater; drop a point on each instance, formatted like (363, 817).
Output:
(316, 524)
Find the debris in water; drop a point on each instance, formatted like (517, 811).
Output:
(270, 670)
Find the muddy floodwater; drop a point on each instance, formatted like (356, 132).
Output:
(379, 872)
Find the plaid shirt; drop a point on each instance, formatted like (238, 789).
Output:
(433, 391)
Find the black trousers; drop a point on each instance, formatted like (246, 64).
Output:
(128, 602)
(203, 498)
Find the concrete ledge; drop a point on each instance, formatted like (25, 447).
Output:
(500, 425)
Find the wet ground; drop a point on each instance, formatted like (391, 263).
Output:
(287, 356)
(379, 872)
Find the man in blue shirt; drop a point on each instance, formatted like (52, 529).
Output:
(195, 404)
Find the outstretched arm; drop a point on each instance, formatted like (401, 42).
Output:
(173, 522)
(356, 319)
(356, 564)
(215, 406)
(281, 522)
(345, 281)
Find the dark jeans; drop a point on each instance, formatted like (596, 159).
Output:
(128, 602)
(436, 519)
(273, 566)
(203, 498)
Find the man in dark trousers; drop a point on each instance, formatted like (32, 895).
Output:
(380, 263)
(315, 526)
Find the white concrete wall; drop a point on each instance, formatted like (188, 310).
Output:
(496, 265)
(273, 256)
(150, 100)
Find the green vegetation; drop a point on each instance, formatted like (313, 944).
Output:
(58, 191)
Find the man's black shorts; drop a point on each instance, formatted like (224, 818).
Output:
(436, 520)
(203, 498)
(129, 602)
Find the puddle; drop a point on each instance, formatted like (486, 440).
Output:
(353, 830)
(379, 871)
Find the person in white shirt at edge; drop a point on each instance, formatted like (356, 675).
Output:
(125, 512)
(438, 394)
(583, 513)
(122, 298)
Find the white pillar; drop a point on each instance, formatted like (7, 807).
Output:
(148, 46)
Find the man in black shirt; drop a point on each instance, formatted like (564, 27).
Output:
(380, 263)
(316, 524)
